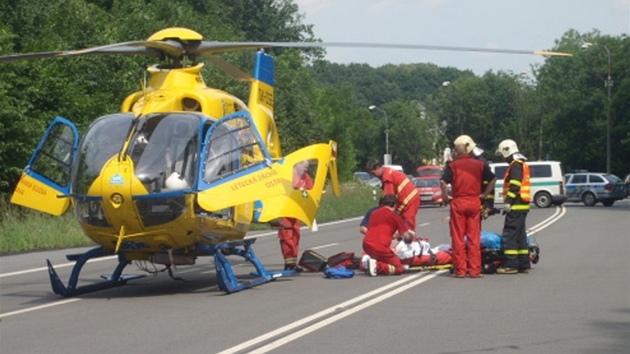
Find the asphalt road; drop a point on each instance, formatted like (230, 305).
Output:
(575, 300)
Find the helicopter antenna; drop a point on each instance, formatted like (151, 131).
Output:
(143, 84)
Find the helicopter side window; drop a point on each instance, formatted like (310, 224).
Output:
(164, 151)
(220, 154)
(232, 147)
(54, 158)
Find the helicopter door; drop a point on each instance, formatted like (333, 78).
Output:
(311, 165)
(235, 167)
(45, 182)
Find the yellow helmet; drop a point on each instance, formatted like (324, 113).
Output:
(507, 148)
(466, 141)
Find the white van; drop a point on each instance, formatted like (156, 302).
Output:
(546, 181)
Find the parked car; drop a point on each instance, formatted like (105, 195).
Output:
(368, 179)
(429, 190)
(546, 182)
(362, 176)
(593, 187)
(429, 171)
(627, 182)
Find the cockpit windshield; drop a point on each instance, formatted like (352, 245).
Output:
(102, 141)
(164, 151)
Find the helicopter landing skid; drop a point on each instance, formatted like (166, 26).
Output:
(226, 278)
(113, 280)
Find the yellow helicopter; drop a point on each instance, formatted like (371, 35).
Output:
(183, 170)
(180, 173)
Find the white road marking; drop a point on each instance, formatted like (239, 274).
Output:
(56, 267)
(35, 308)
(396, 285)
(324, 246)
(314, 327)
(557, 215)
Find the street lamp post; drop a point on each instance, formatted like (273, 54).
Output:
(608, 84)
(387, 159)
(459, 116)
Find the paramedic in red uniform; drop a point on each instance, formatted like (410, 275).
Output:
(382, 227)
(465, 175)
(476, 153)
(397, 183)
(289, 232)
(516, 196)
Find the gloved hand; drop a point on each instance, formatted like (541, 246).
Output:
(506, 208)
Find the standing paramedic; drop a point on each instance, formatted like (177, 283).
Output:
(465, 175)
(383, 224)
(516, 196)
(397, 183)
(289, 232)
(477, 153)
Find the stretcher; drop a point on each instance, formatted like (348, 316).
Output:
(492, 252)
(429, 268)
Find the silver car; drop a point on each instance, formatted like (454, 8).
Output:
(368, 179)
(592, 187)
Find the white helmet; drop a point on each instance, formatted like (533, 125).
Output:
(507, 148)
(175, 181)
(466, 141)
(470, 145)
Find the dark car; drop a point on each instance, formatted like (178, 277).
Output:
(429, 190)
(627, 182)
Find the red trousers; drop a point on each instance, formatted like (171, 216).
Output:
(409, 213)
(466, 235)
(289, 236)
(387, 262)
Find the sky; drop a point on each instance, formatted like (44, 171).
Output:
(504, 24)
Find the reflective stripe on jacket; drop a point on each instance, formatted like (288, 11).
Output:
(517, 190)
(397, 183)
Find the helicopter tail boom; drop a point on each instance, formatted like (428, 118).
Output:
(261, 102)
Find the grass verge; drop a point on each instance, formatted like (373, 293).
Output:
(23, 230)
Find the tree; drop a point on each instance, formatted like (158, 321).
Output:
(411, 141)
(576, 102)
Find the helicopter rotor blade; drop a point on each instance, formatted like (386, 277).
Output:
(207, 48)
(215, 47)
(170, 48)
(228, 68)
(29, 56)
(176, 48)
